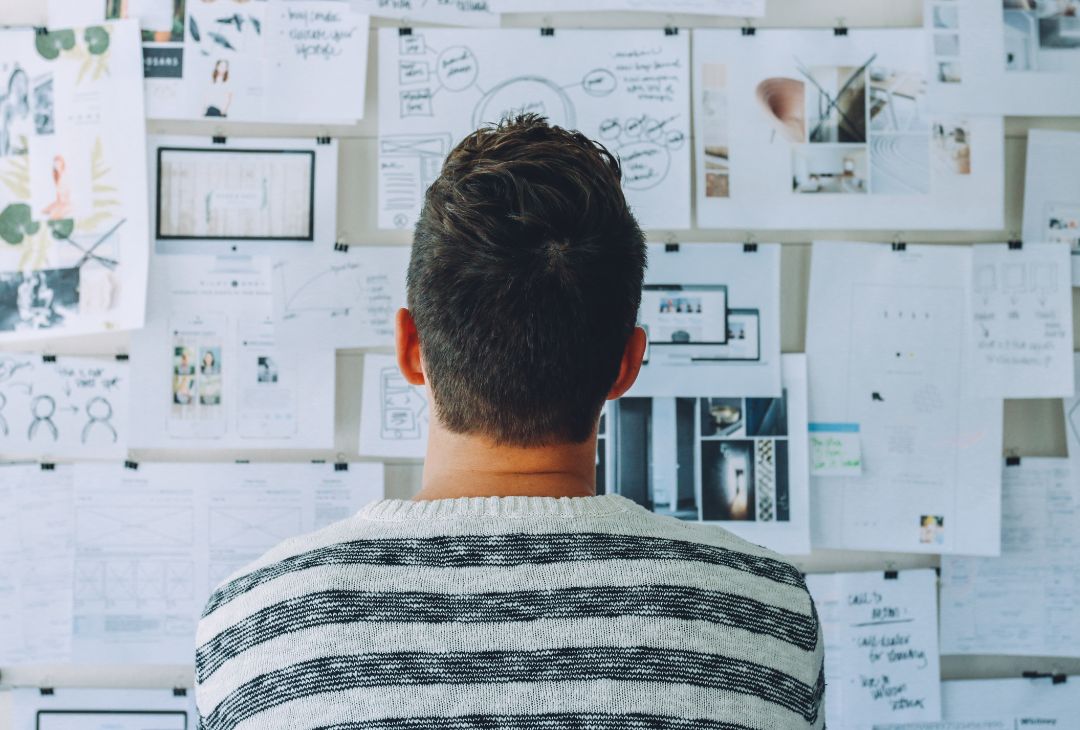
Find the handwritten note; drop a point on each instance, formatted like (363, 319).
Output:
(475, 13)
(835, 450)
(881, 649)
(1021, 330)
(319, 52)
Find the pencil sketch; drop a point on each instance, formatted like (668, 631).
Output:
(404, 408)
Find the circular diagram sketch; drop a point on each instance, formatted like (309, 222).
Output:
(526, 94)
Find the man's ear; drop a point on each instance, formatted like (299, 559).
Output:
(407, 344)
(631, 363)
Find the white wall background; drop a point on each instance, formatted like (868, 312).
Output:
(1032, 428)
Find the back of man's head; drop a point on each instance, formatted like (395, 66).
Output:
(524, 283)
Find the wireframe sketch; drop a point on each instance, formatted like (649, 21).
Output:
(404, 407)
(627, 89)
(67, 407)
(252, 527)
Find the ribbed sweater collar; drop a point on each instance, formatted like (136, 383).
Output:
(404, 510)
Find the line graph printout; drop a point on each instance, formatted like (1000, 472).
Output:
(331, 298)
(881, 647)
(63, 407)
(887, 336)
(629, 89)
(152, 543)
(37, 554)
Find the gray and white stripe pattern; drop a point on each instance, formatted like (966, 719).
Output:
(512, 613)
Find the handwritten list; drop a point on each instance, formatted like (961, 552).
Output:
(1021, 330)
(881, 648)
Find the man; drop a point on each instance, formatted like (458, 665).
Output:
(507, 596)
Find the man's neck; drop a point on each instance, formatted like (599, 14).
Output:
(472, 466)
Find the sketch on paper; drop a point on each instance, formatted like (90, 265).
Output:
(835, 131)
(70, 407)
(628, 89)
(394, 415)
(72, 257)
(339, 297)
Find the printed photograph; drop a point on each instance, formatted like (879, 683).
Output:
(162, 21)
(900, 164)
(830, 169)
(951, 148)
(932, 530)
(949, 72)
(946, 44)
(727, 480)
(1063, 224)
(38, 300)
(44, 114)
(714, 105)
(267, 370)
(897, 99)
(184, 390)
(183, 360)
(16, 122)
(210, 361)
(836, 103)
(946, 15)
(1042, 35)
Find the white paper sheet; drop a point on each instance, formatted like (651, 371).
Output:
(299, 61)
(993, 57)
(253, 196)
(630, 89)
(210, 373)
(1003, 704)
(1022, 328)
(1072, 420)
(737, 8)
(881, 647)
(1026, 601)
(737, 461)
(806, 129)
(73, 225)
(886, 334)
(712, 312)
(152, 543)
(103, 709)
(471, 13)
(327, 297)
(393, 414)
(36, 555)
(65, 408)
(1052, 191)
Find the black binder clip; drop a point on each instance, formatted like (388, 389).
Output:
(1016, 245)
(132, 465)
(341, 247)
(1054, 677)
(892, 575)
(1012, 461)
(341, 466)
(179, 692)
(671, 30)
(899, 246)
(671, 247)
(41, 30)
(219, 139)
(48, 466)
(840, 30)
(749, 247)
(545, 32)
(323, 140)
(47, 691)
(48, 358)
(404, 31)
(749, 30)
(122, 357)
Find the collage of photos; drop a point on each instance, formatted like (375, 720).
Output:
(1042, 35)
(945, 24)
(699, 459)
(196, 372)
(162, 23)
(714, 124)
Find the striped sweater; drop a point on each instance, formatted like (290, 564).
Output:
(512, 613)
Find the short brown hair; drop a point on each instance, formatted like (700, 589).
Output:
(525, 282)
